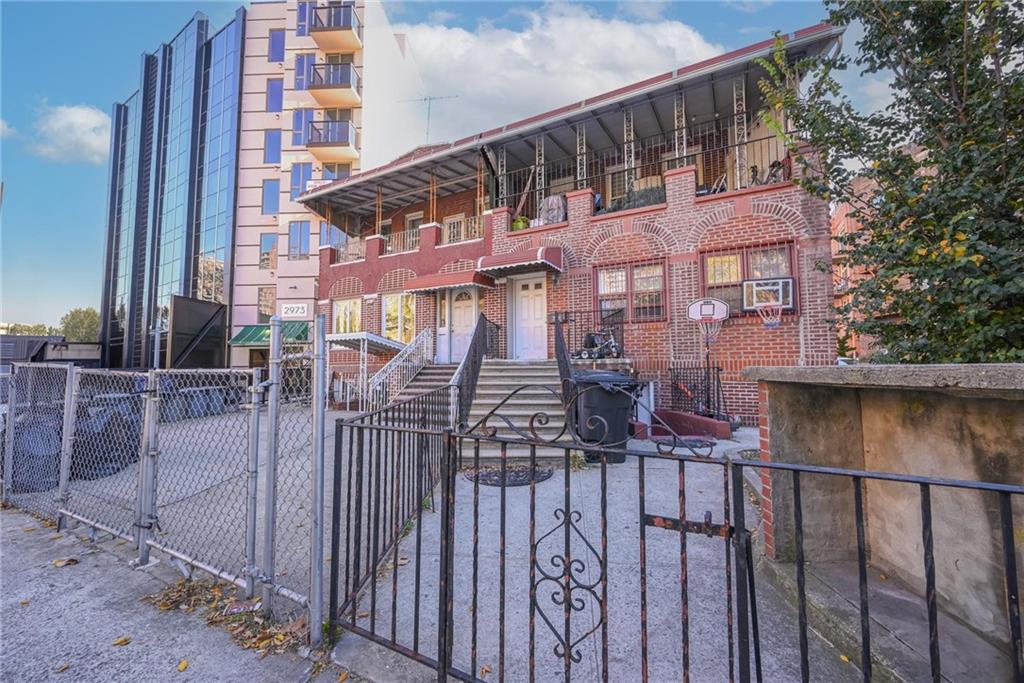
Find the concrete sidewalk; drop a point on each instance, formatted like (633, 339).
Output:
(55, 616)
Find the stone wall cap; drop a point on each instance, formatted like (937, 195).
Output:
(1004, 379)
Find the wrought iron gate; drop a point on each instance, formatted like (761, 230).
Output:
(589, 562)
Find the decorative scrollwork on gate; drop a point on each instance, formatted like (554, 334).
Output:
(567, 579)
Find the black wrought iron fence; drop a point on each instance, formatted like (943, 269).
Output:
(698, 390)
(595, 572)
(593, 334)
(484, 343)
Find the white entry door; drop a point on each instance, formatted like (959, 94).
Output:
(462, 323)
(530, 310)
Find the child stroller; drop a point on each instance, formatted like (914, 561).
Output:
(600, 344)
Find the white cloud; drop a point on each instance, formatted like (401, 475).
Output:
(6, 130)
(643, 9)
(71, 133)
(561, 54)
(440, 16)
(749, 6)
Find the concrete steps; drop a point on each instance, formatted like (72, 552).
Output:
(429, 378)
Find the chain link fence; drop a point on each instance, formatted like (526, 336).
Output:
(103, 479)
(201, 481)
(218, 469)
(32, 450)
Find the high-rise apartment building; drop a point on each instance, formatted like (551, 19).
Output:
(225, 131)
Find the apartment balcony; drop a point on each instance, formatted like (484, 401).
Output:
(462, 230)
(335, 85)
(353, 249)
(336, 28)
(333, 141)
(404, 240)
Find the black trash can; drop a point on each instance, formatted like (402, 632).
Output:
(608, 395)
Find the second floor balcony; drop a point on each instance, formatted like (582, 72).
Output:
(335, 85)
(403, 240)
(337, 28)
(333, 141)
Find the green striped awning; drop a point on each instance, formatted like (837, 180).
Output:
(293, 332)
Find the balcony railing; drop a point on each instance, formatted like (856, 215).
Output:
(353, 249)
(462, 229)
(334, 76)
(721, 165)
(332, 133)
(397, 242)
(334, 17)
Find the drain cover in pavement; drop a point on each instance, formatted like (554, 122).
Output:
(515, 475)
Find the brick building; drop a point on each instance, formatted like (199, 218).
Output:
(631, 203)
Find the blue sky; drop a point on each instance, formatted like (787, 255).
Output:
(62, 65)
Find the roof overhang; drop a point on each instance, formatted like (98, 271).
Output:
(357, 341)
(292, 332)
(436, 281)
(526, 261)
(454, 165)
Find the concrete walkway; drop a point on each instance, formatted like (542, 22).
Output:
(59, 623)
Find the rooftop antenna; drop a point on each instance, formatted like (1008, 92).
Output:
(429, 99)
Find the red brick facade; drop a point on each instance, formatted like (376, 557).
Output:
(675, 234)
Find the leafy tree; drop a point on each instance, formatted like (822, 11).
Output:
(32, 330)
(942, 239)
(81, 325)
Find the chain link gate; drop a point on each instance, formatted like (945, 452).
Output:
(35, 436)
(185, 461)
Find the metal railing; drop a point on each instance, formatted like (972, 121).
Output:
(594, 334)
(336, 17)
(608, 552)
(352, 249)
(462, 229)
(331, 133)
(484, 343)
(334, 76)
(403, 240)
(564, 361)
(388, 382)
(698, 390)
(620, 182)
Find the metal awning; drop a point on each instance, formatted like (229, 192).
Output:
(292, 332)
(365, 341)
(527, 261)
(436, 281)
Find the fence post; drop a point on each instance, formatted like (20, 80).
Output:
(444, 593)
(67, 441)
(740, 546)
(270, 488)
(252, 474)
(319, 401)
(146, 510)
(12, 409)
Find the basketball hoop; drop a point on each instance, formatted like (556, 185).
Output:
(709, 315)
(771, 314)
(709, 329)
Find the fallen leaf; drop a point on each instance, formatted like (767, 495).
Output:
(65, 562)
(122, 641)
(844, 658)
(279, 638)
(182, 665)
(23, 603)
(62, 668)
(342, 677)
(485, 669)
(56, 537)
(28, 529)
(49, 524)
(363, 615)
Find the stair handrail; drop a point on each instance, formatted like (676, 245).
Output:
(388, 382)
(483, 343)
(568, 387)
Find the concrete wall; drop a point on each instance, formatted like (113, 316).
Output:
(963, 423)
